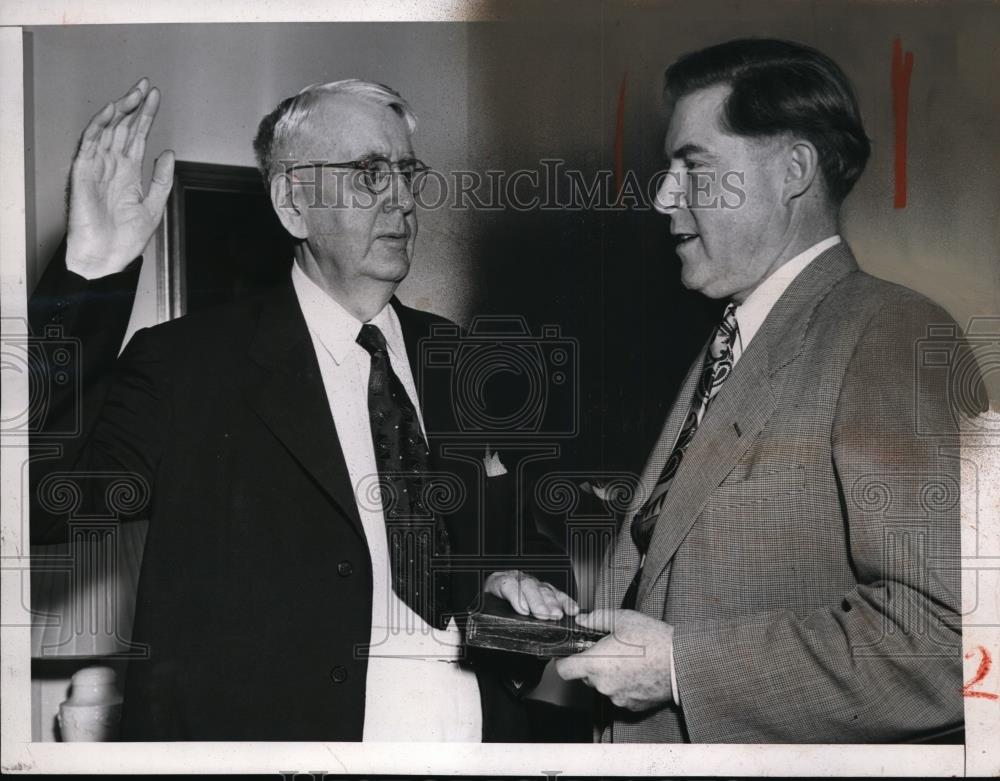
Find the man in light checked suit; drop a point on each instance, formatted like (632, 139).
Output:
(790, 572)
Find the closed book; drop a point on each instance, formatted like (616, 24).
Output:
(499, 627)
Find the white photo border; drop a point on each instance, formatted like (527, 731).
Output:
(979, 756)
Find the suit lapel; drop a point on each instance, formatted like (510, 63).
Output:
(290, 399)
(739, 412)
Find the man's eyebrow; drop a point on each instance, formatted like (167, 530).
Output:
(407, 157)
(688, 150)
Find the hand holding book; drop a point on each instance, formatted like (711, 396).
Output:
(624, 654)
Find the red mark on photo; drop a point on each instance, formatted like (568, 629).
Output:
(902, 69)
(620, 139)
(985, 662)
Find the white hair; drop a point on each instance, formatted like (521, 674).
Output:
(278, 128)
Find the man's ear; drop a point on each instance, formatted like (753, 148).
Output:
(283, 199)
(801, 170)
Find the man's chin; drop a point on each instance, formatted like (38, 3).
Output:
(392, 266)
(706, 288)
(693, 281)
(695, 278)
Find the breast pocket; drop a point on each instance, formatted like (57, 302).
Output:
(765, 484)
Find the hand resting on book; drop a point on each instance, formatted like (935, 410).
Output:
(530, 596)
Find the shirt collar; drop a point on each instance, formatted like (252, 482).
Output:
(751, 313)
(336, 328)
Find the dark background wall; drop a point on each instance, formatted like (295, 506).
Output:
(549, 87)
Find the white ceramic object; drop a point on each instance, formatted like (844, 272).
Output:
(94, 707)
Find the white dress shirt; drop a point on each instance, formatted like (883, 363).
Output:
(415, 688)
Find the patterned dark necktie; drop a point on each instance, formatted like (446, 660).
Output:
(416, 536)
(717, 367)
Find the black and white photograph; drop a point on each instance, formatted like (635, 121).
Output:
(501, 388)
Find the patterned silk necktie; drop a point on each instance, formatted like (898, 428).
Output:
(718, 366)
(415, 534)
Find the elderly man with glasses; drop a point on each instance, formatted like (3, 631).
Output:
(298, 579)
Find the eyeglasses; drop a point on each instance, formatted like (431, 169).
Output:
(376, 172)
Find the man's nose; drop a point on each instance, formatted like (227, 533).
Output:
(400, 194)
(671, 195)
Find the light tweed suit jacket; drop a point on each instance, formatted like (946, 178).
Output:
(807, 553)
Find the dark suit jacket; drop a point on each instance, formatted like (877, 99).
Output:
(255, 592)
(807, 552)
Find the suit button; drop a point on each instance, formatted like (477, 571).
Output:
(338, 674)
(344, 569)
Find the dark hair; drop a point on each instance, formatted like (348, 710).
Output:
(782, 87)
(263, 142)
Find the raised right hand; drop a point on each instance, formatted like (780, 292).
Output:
(110, 221)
